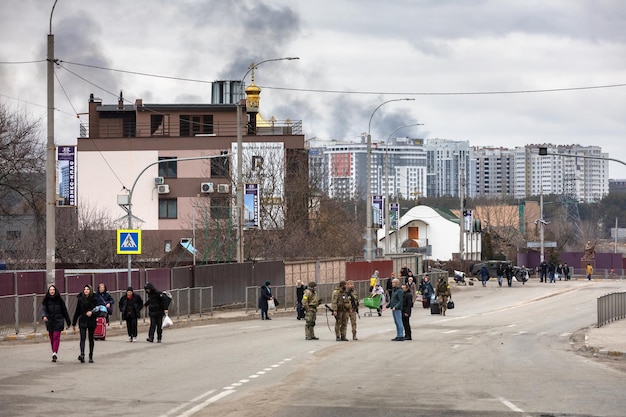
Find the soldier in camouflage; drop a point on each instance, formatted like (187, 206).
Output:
(341, 308)
(310, 301)
(354, 306)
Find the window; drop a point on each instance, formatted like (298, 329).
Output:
(168, 169)
(220, 167)
(168, 209)
(201, 124)
(219, 208)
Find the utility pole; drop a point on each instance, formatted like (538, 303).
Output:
(51, 168)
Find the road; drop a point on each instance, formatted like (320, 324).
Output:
(500, 352)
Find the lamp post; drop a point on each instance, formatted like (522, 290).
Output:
(240, 155)
(50, 164)
(368, 180)
(387, 221)
(128, 206)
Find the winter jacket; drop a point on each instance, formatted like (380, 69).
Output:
(264, 297)
(131, 308)
(156, 301)
(55, 310)
(84, 305)
(407, 303)
(397, 297)
(105, 298)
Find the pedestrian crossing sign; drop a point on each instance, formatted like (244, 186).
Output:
(129, 242)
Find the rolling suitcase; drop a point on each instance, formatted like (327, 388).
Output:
(434, 307)
(101, 328)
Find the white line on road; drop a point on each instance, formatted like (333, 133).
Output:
(450, 331)
(202, 405)
(180, 407)
(510, 405)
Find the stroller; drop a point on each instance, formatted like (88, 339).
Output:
(459, 277)
(373, 303)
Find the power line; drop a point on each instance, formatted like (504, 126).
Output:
(418, 93)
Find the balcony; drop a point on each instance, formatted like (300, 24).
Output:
(109, 129)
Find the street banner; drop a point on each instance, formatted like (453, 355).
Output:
(66, 174)
(377, 211)
(251, 206)
(394, 211)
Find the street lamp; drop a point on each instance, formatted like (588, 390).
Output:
(387, 221)
(128, 205)
(240, 156)
(368, 203)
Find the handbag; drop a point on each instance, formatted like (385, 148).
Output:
(450, 304)
(167, 322)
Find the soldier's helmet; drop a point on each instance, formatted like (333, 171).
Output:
(312, 284)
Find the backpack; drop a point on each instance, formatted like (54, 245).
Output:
(166, 299)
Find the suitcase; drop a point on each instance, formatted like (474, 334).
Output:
(425, 302)
(434, 307)
(101, 328)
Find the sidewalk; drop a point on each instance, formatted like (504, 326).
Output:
(609, 339)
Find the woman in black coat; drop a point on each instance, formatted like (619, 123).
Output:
(86, 320)
(130, 306)
(264, 298)
(54, 314)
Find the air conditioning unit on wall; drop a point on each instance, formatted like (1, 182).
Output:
(222, 188)
(159, 180)
(206, 187)
(163, 189)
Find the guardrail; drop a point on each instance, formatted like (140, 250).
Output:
(611, 307)
(21, 313)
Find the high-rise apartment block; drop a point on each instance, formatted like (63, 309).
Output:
(414, 168)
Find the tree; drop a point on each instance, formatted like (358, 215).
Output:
(22, 181)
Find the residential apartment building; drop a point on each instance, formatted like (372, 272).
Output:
(495, 171)
(566, 169)
(409, 168)
(451, 168)
(173, 199)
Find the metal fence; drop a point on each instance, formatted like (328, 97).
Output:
(611, 307)
(286, 294)
(22, 313)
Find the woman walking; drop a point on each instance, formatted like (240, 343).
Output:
(130, 306)
(86, 320)
(54, 314)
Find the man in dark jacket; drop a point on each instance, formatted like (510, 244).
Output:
(407, 308)
(130, 307)
(300, 287)
(157, 304)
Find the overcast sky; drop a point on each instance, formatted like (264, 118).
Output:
(354, 55)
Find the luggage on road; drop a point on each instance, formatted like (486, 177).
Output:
(101, 328)
(434, 307)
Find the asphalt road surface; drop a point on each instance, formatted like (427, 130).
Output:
(500, 352)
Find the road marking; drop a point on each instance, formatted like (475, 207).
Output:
(450, 331)
(510, 405)
(250, 327)
(455, 346)
(180, 407)
(202, 405)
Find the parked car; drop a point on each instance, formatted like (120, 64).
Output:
(492, 266)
